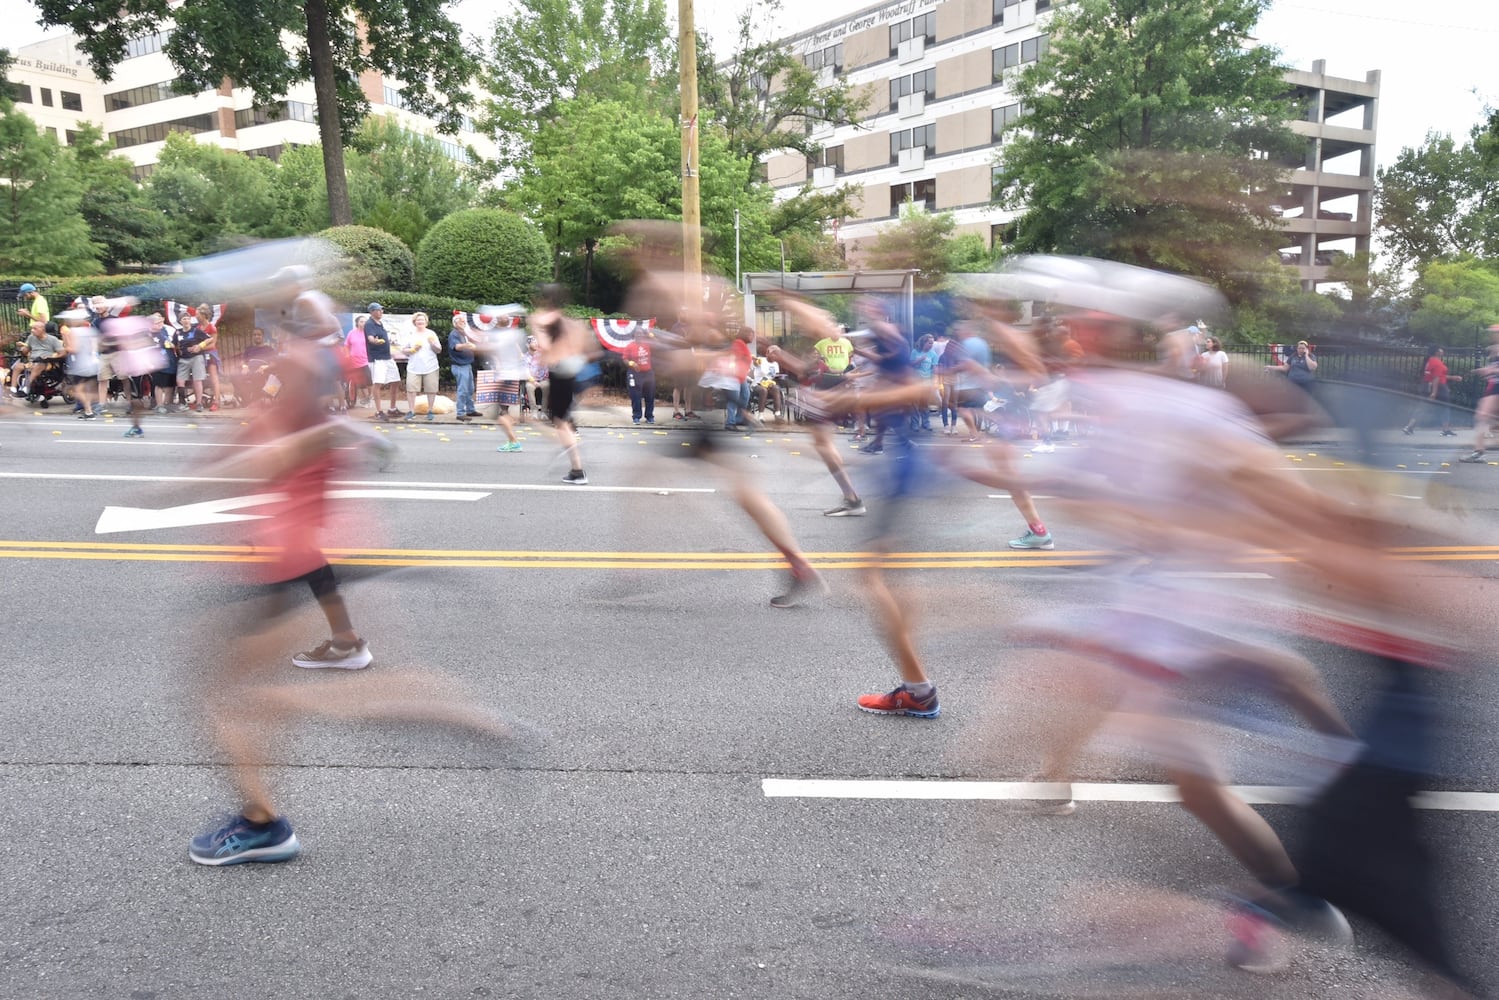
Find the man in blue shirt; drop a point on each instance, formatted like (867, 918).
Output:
(461, 351)
(383, 371)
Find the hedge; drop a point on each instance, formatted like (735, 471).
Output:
(493, 255)
(374, 256)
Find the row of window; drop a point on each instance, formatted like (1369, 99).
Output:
(21, 94)
(830, 56)
(1000, 6)
(920, 26)
(285, 111)
(144, 45)
(136, 96)
(922, 81)
(923, 193)
(924, 136)
(1019, 53)
(158, 131)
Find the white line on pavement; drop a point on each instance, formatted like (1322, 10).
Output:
(1082, 791)
(513, 487)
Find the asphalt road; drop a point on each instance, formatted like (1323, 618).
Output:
(622, 843)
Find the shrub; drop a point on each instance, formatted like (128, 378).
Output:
(375, 258)
(484, 254)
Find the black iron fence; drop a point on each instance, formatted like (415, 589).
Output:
(1395, 370)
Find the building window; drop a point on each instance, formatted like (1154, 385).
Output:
(1003, 234)
(144, 45)
(1033, 48)
(1042, 6)
(20, 93)
(158, 131)
(830, 56)
(924, 81)
(136, 96)
(1004, 58)
(921, 135)
(922, 193)
(52, 131)
(393, 98)
(264, 114)
(46, 98)
(1003, 117)
(72, 102)
(830, 156)
(1000, 6)
(924, 25)
(141, 172)
(72, 137)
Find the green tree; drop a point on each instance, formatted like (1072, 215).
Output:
(1441, 199)
(403, 182)
(42, 230)
(602, 162)
(213, 198)
(128, 229)
(337, 40)
(1455, 299)
(547, 52)
(920, 241)
(300, 189)
(764, 98)
(483, 254)
(1152, 133)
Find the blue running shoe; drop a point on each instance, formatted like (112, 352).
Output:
(240, 840)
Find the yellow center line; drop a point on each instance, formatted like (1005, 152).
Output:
(544, 559)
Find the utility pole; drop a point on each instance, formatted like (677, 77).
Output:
(692, 237)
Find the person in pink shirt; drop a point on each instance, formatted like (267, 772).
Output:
(357, 364)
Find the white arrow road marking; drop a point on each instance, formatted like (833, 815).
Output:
(1082, 791)
(117, 519)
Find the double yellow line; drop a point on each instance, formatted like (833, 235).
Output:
(543, 559)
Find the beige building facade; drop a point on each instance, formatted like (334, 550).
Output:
(937, 80)
(936, 77)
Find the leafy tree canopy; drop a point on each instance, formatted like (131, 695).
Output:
(336, 41)
(1441, 199)
(211, 197)
(1152, 133)
(42, 230)
(1455, 299)
(127, 227)
(547, 52)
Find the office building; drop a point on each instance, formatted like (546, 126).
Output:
(937, 81)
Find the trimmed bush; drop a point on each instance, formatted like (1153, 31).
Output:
(376, 259)
(485, 254)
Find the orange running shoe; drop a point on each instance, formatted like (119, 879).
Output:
(902, 702)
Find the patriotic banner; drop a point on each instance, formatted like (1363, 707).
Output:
(616, 334)
(176, 313)
(495, 317)
(112, 307)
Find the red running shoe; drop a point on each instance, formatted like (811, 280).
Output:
(902, 702)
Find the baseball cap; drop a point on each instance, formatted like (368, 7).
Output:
(374, 306)
(28, 287)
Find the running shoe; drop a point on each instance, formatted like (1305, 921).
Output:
(473, 413)
(902, 702)
(463, 418)
(214, 408)
(574, 478)
(410, 415)
(95, 416)
(1257, 944)
(239, 841)
(135, 432)
(509, 446)
(1031, 540)
(431, 416)
(873, 449)
(800, 587)
(1448, 432)
(1407, 430)
(848, 508)
(1472, 458)
(335, 655)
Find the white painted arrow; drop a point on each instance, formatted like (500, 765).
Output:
(116, 519)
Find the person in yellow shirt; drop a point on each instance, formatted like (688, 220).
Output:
(836, 352)
(34, 305)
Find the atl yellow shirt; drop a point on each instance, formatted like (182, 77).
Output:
(836, 353)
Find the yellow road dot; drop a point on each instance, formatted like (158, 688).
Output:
(1399, 466)
(1311, 454)
(59, 433)
(1340, 464)
(796, 453)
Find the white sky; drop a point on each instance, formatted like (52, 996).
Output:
(1430, 68)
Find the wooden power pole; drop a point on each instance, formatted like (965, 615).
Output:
(692, 215)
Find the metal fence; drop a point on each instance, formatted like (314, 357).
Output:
(1395, 370)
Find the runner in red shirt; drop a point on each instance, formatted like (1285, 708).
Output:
(1435, 378)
